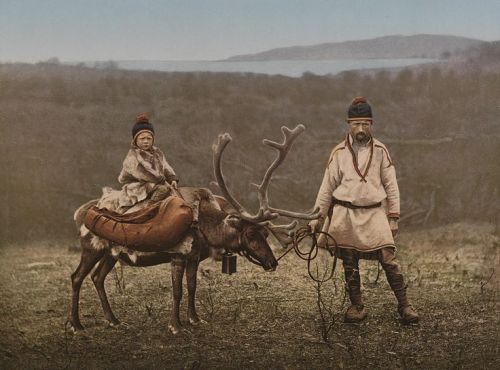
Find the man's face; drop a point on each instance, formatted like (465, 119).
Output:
(144, 140)
(360, 130)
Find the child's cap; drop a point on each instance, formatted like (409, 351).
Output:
(142, 124)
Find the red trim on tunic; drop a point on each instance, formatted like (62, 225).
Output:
(369, 160)
(391, 163)
(355, 161)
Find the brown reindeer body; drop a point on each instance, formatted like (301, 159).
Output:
(216, 229)
(221, 223)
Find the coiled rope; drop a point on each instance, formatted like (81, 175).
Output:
(305, 233)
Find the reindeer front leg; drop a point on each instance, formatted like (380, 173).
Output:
(193, 262)
(178, 266)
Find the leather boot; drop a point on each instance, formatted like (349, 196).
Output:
(356, 312)
(405, 310)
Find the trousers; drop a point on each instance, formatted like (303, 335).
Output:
(386, 257)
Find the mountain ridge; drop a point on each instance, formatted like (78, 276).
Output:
(384, 47)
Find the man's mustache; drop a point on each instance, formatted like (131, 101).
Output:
(361, 136)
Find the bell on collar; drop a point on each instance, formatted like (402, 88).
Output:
(228, 263)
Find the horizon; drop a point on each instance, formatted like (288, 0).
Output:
(281, 47)
(223, 60)
(193, 30)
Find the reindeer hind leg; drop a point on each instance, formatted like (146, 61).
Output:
(88, 259)
(98, 276)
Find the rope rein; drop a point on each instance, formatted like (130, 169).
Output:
(303, 233)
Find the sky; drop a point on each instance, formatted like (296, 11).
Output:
(88, 30)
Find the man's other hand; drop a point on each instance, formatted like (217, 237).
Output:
(393, 224)
(316, 225)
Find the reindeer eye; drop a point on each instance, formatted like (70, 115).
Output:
(234, 221)
(251, 233)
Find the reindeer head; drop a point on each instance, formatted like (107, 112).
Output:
(251, 241)
(253, 230)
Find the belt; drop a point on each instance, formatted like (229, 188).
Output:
(349, 205)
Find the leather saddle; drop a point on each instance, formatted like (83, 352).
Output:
(155, 228)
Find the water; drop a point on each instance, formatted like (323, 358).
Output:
(292, 68)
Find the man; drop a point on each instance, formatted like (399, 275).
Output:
(359, 198)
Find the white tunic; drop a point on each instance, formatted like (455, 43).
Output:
(362, 175)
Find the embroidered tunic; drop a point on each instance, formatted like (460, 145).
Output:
(363, 175)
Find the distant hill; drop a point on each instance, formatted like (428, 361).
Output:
(387, 47)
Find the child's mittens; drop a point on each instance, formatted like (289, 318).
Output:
(160, 193)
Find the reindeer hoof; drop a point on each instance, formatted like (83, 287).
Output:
(196, 321)
(113, 323)
(174, 329)
(74, 328)
(118, 325)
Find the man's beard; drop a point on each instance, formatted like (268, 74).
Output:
(362, 137)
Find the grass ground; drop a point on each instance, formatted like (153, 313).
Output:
(256, 319)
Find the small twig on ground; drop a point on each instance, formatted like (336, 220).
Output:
(149, 308)
(326, 319)
(119, 279)
(237, 312)
(483, 283)
(209, 302)
(326, 311)
(66, 345)
(379, 268)
(375, 282)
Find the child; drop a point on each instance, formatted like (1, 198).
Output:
(146, 173)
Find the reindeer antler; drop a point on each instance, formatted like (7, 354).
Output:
(265, 213)
(218, 148)
(283, 233)
(289, 137)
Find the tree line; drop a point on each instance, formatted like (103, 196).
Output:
(66, 129)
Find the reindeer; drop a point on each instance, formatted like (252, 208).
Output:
(223, 224)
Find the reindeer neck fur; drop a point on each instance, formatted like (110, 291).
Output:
(213, 226)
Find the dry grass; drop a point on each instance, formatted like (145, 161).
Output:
(259, 320)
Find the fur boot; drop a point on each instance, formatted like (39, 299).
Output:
(405, 310)
(356, 312)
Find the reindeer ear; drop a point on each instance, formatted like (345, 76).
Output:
(235, 222)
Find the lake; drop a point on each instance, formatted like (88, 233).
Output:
(292, 68)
